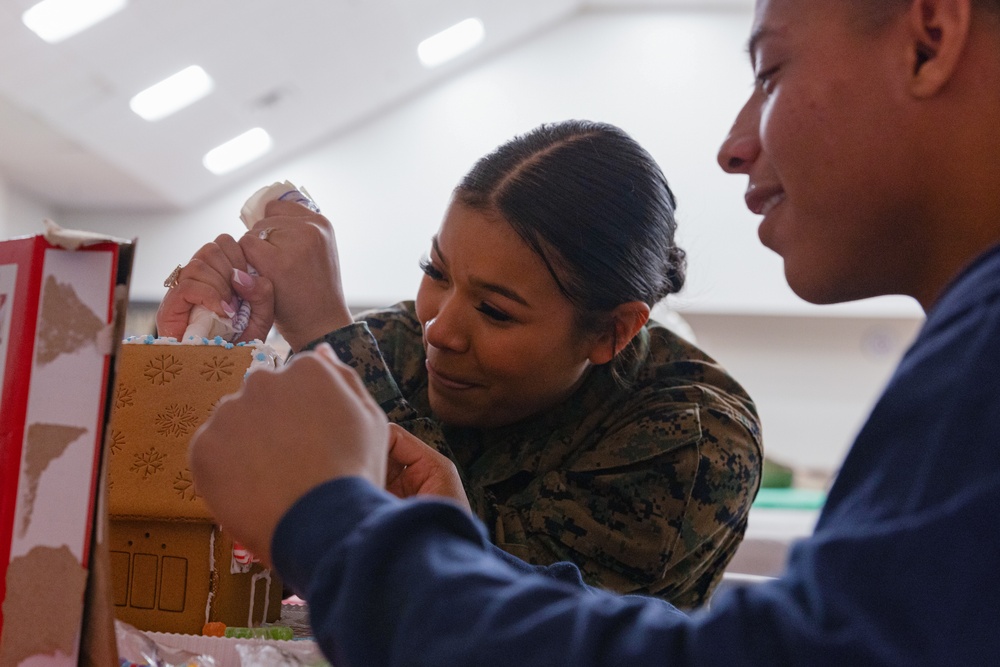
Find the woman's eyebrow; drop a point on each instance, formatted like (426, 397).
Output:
(501, 290)
(437, 249)
(482, 284)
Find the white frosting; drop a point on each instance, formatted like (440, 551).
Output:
(206, 324)
(253, 210)
(211, 570)
(264, 356)
(266, 576)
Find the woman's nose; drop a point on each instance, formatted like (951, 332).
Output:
(742, 146)
(446, 330)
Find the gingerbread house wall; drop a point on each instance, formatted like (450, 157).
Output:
(175, 577)
(246, 593)
(172, 568)
(160, 574)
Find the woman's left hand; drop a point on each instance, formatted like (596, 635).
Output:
(416, 469)
(298, 254)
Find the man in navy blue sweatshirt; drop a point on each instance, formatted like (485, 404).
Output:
(870, 144)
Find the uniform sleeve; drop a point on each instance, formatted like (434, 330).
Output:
(398, 334)
(356, 347)
(657, 506)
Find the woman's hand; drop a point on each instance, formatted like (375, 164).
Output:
(299, 257)
(216, 277)
(416, 469)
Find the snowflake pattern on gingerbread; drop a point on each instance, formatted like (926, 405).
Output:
(176, 420)
(125, 397)
(217, 369)
(148, 463)
(184, 485)
(117, 441)
(162, 369)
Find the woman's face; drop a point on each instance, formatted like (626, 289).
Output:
(500, 337)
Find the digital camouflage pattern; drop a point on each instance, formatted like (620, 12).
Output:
(645, 485)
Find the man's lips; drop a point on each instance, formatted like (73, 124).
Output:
(761, 200)
(448, 381)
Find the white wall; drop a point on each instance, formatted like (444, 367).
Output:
(675, 81)
(814, 379)
(20, 214)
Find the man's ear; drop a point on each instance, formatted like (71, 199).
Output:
(625, 322)
(940, 32)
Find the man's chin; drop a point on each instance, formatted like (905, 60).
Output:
(822, 291)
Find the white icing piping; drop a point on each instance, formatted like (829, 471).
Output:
(262, 356)
(211, 574)
(266, 574)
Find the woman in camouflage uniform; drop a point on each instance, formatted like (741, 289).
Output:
(526, 379)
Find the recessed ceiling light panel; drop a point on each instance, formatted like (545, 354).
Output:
(238, 151)
(55, 20)
(172, 94)
(450, 42)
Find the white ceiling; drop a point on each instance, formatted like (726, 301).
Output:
(305, 70)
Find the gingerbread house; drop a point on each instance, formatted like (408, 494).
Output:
(173, 568)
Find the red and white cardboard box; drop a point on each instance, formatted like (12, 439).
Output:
(62, 306)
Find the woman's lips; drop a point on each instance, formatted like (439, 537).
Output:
(445, 380)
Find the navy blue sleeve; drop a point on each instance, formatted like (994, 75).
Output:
(393, 582)
(416, 582)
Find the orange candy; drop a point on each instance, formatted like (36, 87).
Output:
(214, 629)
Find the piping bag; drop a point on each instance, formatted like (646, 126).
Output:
(206, 324)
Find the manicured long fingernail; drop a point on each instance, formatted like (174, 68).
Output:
(243, 278)
(227, 309)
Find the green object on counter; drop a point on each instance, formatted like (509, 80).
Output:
(263, 632)
(775, 475)
(798, 499)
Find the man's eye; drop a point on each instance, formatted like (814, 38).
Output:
(765, 79)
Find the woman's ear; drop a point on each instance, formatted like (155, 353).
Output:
(625, 322)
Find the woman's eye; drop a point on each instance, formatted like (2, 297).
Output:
(492, 313)
(431, 271)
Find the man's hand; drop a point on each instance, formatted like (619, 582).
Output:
(282, 434)
(416, 469)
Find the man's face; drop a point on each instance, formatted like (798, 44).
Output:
(823, 141)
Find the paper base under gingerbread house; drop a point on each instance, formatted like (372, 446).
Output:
(173, 569)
